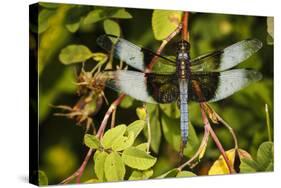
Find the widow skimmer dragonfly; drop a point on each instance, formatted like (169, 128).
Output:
(203, 79)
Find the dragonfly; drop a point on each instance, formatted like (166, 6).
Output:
(206, 78)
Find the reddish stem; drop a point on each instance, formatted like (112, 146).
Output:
(78, 173)
(108, 113)
(215, 138)
(185, 26)
(162, 46)
(83, 166)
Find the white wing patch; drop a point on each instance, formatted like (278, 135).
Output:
(239, 52)
(129, 53)
(131, 83)
(234, 80)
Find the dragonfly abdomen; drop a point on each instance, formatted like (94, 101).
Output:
(184, 110)
(183, 73)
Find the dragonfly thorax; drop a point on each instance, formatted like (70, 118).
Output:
(183, 60)
(183, 45)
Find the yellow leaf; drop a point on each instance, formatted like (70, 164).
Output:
(220, 166)
(203, 149)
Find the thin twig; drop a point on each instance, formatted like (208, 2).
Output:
(78, 173)
(268, 123)
(113, 119)
(108, 113)
(215, 117)
(200, 149)
(83, 166)
(230, 130)
(162, 46)
(185, 33)
(147, 118)
(215, 139)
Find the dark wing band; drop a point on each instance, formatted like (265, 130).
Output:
(215, 86)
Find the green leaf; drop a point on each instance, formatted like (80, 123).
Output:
(75, 19)
(185, 174)
(142, 147)
(154, 119)
(49, 5)
(265, 156)
(100, 57)
(127, 102)
(138, 159)
(171, 173)
(92, 181)
(94, 16)
(136, 127)
(73, 27)
(162, 67)
(269, 168)
(111, 27)
(43, 179)
(141, 175)
(43, 19)
(121, 14)
(105, 13)
(172, 133)
(164, 22)
(248, 165)
(124, 142)
(92, 141)
(264, 160)
(171, 110)
(141, 113)
(75, 54)
(114, 167)
(99, 161)
(112, 135)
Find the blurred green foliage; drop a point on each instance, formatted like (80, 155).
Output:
(63, 28)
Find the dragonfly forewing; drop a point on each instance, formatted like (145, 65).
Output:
(226, 58)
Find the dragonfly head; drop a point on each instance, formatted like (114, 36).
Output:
(183, 45)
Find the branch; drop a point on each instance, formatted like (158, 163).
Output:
(111, 109)
(215, 139)
(215, 117)
(208, 131)
(147, 118)
(185, 33)
(162, 46)
(199, 151)
(78, 173)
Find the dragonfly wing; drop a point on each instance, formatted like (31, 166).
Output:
(146, 87)
(133, 55)
(124, 50)
(163, 88)
(226, 58)
(215, 86)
